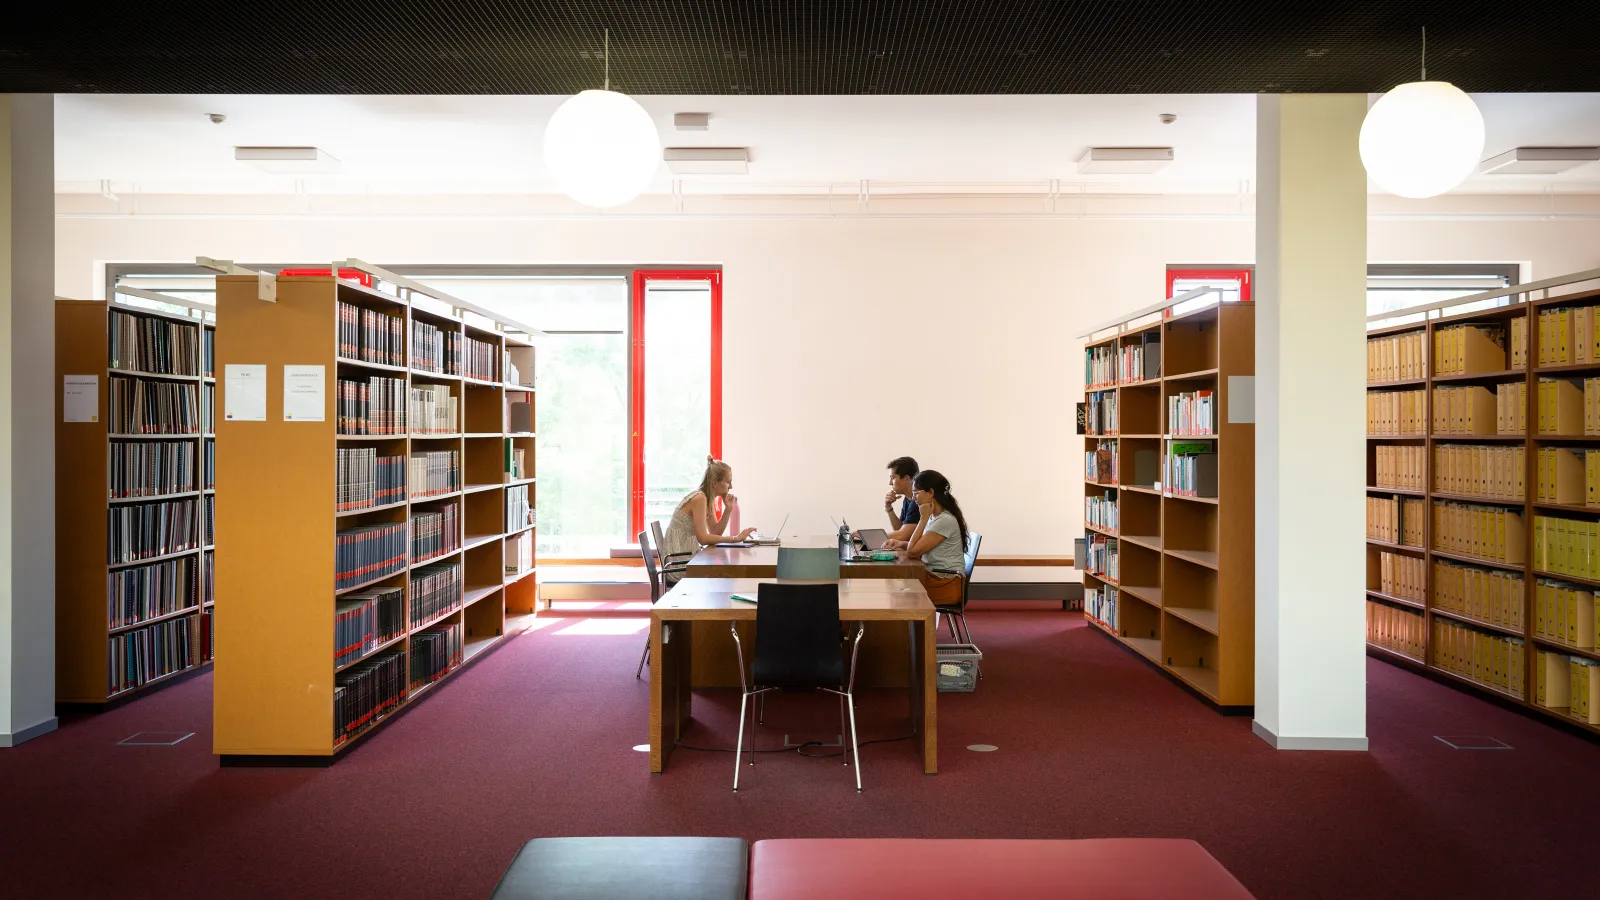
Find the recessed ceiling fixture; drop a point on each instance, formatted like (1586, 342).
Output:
(1124, 160)
(601, 147)
(1422, 138)
(288, 160)
(708, 160)
(1539, 160)
(692, 121)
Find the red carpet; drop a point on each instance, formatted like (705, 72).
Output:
(535, 740)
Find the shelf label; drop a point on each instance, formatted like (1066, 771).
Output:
(304, 393)
(80, 398)
(244, 392)
(1241, 399)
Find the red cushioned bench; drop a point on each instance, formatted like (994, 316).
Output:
(890, 869)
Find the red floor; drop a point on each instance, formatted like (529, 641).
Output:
(536, 740)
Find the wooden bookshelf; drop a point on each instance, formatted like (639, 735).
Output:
(274, 699)
(1489, 373)
(1185, 587)
(88, 629)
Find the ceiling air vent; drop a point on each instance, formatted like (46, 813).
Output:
(707, 160)
(1124, 160)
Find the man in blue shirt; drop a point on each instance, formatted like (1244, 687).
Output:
(901, 471)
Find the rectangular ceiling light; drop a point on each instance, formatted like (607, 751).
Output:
(1124, 160)
(707, 160)
(287, 160)
(691, 121)
(1539, 160)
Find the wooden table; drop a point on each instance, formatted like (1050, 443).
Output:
(762, 562)
(686, 609)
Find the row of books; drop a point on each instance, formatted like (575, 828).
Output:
(1491, 533)
(1395, 412)
(1484, 470)
(1565, 613)
(136, 531)
(1402, 576)
(209, 471)
(1100, 604)
(1100, 556)
(435, 590)
(1568, 336)
(208, 352)
(367, 335)
(1100, 464)
(1566, 405)
(366, 692)
(1488, 659)
(434, 409)
(1511, 408)
(1192, 412)
(1101, 512)
(434, 652)
(1099, 366)
(151, 344)
(1140, 362)
(519, 507)
(1394, 628)
(434, 349)
(1400, 467)
(151, 468)
(208, 635)
(1469, 349)
(140, 656)
(435, 532)
(209, 591)
(1190, 469)
(435, 472)
(1568, 477)
(1494, 596)
(519, 553)
(1591, 406)
(516, 465)
(1398, 357)
(363, 478)
(477, 358)
(367, 552)
(1566, 546)
(1519, 343)
(371, 406)
(208, 408)
(145, 406)
(366, 620)
(1571, 683)
(1469, 409)
(1398, 520)
(1100, 413)
(209, 537)
(149, 592)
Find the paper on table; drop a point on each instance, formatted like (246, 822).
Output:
(80, 398)
(245, 392)
(304, 393)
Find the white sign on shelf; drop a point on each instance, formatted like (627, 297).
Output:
(245, 392)
(80, 398)
(304, 393)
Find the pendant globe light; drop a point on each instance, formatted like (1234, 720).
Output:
(1422, 138)
(601, 147)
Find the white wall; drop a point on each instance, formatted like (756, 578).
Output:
(848, 341)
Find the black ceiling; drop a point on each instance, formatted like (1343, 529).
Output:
(842, 47)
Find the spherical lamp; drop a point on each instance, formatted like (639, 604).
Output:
(602, 148)
(1422, 139)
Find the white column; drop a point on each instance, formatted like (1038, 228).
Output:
(27, 417)
(1311, 265)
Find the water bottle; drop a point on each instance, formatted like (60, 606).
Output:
(844, 543)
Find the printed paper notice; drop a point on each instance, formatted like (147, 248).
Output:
(304, 393)
(245, 391)
(80, 398)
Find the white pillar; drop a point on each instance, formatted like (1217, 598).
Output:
(1311, 267)
(27, 417)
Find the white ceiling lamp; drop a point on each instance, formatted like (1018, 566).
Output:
(1422, 138)
(601, 147)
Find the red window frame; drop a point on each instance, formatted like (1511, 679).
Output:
(637, 330)
(1242, 275)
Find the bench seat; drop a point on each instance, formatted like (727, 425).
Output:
(627, 868)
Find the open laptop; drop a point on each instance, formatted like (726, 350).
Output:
(873, 538)
(758, 539)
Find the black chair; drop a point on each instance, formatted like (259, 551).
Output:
(672, 567)
(958, 611)
(797, 649)
(649, 556)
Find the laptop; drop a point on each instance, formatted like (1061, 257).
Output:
(873, 538)
(757, 539)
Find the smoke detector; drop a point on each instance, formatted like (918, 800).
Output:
(1124, 160)
(1539, 160)
(216, 118)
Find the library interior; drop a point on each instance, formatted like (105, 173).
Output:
(513, 322)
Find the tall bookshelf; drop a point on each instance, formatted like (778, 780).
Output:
(1475, 614)
(283, 512)
(134, 618)
(1170, 495)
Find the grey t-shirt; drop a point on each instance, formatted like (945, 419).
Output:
(947, 555)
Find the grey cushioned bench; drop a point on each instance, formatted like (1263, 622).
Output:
(627, 868)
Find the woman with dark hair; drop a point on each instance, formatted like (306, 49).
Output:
(940, 540)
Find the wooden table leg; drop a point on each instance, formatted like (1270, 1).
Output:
(661, 698)
(929, 697)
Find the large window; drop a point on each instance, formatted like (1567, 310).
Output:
(1397, 287)
(678, 375)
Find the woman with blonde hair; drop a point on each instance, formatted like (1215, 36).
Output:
(694, 523)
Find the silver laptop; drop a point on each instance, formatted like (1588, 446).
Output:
(759, 539)
(873, 538)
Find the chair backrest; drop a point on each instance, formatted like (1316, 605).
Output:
(968, 560)
(821, 563)
(797, 635)
(649, 556)
(661, 539)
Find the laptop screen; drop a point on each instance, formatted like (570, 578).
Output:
(873, 538)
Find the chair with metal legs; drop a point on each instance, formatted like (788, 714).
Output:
(797, 649)
(649, 557)
(958, 611)
(673, 566)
